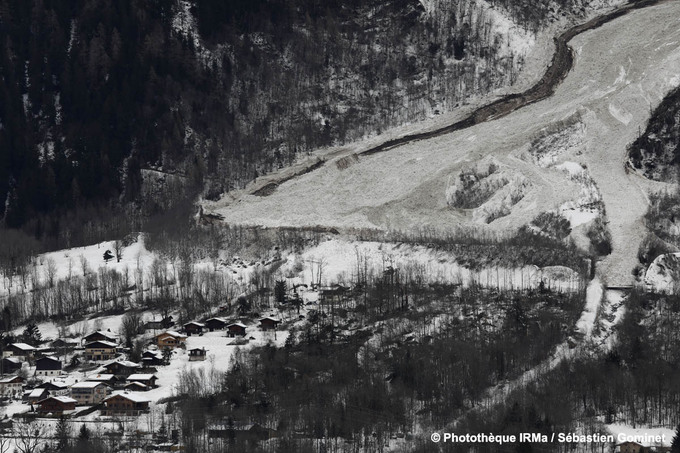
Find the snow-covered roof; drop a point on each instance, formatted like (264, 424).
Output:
(194, 323)
(10, 379)
(171, 333)
(238, 324)
(141, 377)
(13, 360)
(103, 342)
(35, 393)
(86, 385)
(100, 377)
(23, 346)
(61, 399)
(270, 318)
(125, 363)
(49, 357)
(137, 384)
(59, 385)
(130, 396)
(99, 332)
(217, 319)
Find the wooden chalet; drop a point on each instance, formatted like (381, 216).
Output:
(193, 328)
(10, 365)
(170, 339)
(60, 343)
(162, 324)
(197, 354)
(47, 366)
(56, 405)
(269, 323)
(136, 387)
(122, 368)
(152, 358)
(333, 294)
(216, 324)
(19, 350)
(11, 385)
(55, 388)
(109, 379)
(147, 379)
(100, 336)
(236, 329)
(100, 350)
(125, 404)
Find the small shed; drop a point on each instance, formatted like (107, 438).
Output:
(236, 329)
(216, 324)
(60, 343)
(269, 323)
(193, 328)
(152, 358)
(147, 379)
(155, 324)
(197, 354)
(137, 387)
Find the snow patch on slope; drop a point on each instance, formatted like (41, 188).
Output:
(185, 24)
(663, 275)
(514, 40)
(589, 205)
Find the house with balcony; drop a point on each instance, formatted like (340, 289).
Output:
(11, 386)
(56, 405)
(87, 393)
(100, 350)
(170, 339)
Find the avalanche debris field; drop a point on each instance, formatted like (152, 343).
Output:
(621, 72)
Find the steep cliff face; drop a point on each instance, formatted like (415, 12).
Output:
(94, 92)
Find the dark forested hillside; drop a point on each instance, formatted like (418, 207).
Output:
(95, 95)
(657, 151)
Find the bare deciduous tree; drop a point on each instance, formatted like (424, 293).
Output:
(118, 247)
(28, 436)
(50, 271)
